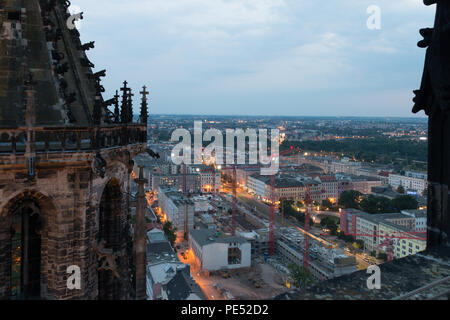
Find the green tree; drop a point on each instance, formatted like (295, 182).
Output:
(327, 204)
(350, 199)
(359, 244)
(401, 189)
(382, 256)
(301, 276)
(287, 206)
(346, 238)
(330, 223)
(406, 202)
(375, 148)
(375, 204)
(170, 232)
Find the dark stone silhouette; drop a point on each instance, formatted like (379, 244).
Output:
(434, 98)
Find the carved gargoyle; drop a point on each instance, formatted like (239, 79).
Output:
(108, 258)
(435, 88)
(86, 63)
(99, 165)
(87, 46)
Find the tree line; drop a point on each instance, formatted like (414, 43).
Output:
(377, 149)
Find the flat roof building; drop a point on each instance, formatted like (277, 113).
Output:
(177, 208)
(216, 253)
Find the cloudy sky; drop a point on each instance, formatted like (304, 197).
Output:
(260, 57)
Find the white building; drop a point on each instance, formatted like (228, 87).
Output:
(345, 166)
(176, 207)
(418, 175)
(367, 231)
(217, 253)
(256, 186)
(417, 184)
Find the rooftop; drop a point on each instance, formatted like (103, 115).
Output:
(183, 287)
(175, 195)
(204, 237)
(160, 252)
(156, 235)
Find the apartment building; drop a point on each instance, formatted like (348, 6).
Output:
(285, 188)
(405, 243)
(331, 187)
(344, 166)
(365, 184)
(210, 178)
(412, 183)
(193, 182)
(420, 219)
(177, 208)
(377, 230)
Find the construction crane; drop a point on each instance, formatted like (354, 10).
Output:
(234, 210)
(186, 207)
(234, 193)
(272, 215)
(308, 202)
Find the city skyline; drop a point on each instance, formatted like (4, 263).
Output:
(268, 57)
(232, 189)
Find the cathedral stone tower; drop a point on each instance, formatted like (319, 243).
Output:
(65, 163)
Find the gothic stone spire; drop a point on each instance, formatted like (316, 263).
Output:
(144, 106)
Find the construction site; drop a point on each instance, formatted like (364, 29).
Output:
(240, 251)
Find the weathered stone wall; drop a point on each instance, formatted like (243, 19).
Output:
(69, 194)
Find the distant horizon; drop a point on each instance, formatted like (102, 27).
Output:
(290, 116)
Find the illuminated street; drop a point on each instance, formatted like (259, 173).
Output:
(238, 285)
